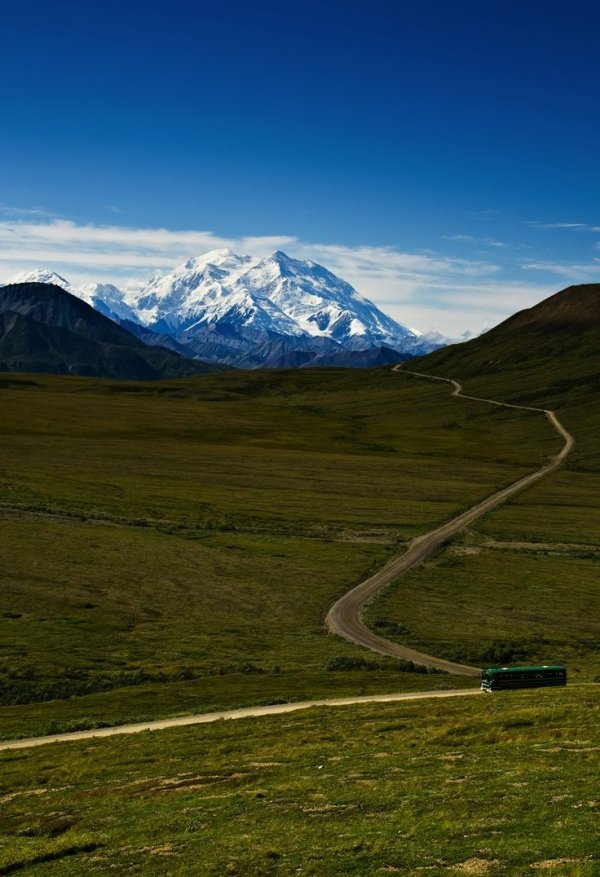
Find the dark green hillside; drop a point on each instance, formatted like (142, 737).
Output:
(45, 329)
(549, 353)
(546, 356)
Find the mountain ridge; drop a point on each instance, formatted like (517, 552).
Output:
(276, 294)
(255, 312)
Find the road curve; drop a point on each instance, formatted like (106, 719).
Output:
(345, 617)
(243, 713)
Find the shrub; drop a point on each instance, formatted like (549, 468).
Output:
(505, 652)
(344, 663)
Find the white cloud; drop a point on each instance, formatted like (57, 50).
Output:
(568, 226)
(22, 212)
(64, 241)
(470, 239)
(423, 289)
(587, 271)
(450, 309)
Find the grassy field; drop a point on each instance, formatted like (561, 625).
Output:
(137, 623)
(490, 603)
(251, 452)
(502, 784)
(173, 547)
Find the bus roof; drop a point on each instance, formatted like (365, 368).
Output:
(537, 667)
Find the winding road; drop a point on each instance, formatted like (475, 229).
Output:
(345, 617)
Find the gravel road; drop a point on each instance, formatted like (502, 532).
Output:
(345, 617)
(244, 713)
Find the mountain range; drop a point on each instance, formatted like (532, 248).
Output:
(43, 328)
(247, 312)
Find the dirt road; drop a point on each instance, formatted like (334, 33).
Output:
(245, 713)
(344, 617)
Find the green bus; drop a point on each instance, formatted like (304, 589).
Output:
(498, 678)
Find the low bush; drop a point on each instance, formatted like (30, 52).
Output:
(27, 689)
(343, 663)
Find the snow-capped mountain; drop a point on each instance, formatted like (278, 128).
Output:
(178, 298)
(107, 299)
(207, 291)
(276, 294)
(239, 310)
(322, 304)
(41, 275)
(104, 297)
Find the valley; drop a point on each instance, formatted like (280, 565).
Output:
(165, 555)
(299, 439)
(203, 492)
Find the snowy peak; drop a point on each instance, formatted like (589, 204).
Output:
(322, 304)
(107, 299)
(41, 275)
(223, 258)
(305, 273)
(276, 294)
(284, 265)
(184, 297)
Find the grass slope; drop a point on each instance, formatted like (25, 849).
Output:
(175, 546)
(488, 603)
(151, 527)
(502, 784)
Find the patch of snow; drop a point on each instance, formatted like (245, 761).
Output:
(40, 275)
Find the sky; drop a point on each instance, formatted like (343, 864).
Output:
(441, 155)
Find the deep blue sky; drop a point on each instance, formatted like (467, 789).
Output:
(431, 125)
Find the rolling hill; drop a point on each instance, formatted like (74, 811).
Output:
(550, 351)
